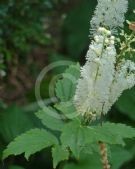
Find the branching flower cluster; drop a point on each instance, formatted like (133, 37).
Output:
(106, 73)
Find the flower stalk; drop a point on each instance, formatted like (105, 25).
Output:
(104, 155)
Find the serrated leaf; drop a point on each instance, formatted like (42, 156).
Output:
(30, 143)
(49, 119)
(91, 148)
(65, 88)
(117, 131)
(77, 137)
(67, 108)
(119, 156)
(73, 70)
(73, 136)
(59, 154)
(111, 133)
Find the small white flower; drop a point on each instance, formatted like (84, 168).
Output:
(108, 33)
(101, 29)
(109, 48)
(124, 79)
(112, 38)
(112, 42)
(92, 47)
(106, 41)
(96, 38)
(97, 60)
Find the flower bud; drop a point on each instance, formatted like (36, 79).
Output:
(112, 42)
(108, 33)
(106, 41)
(112, 38)
(96, 38)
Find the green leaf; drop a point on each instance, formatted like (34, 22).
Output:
(91, 148)
(65, 88)
(117, 132)
(67, 108)
(59, 154)
(109, 133)
(73, 136)
(30, 143)
(86, 162)
(78, 137)
(73, 70)
(119, 156)
(49, 118)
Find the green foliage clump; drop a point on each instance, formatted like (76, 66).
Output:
(23, 26)
(74, 138)
(21, 29)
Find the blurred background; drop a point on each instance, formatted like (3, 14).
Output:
(33, 34)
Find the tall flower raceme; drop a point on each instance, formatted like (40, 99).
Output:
(109, 13)
(102, 79)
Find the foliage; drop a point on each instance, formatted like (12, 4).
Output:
(46, 116)
(74, 42)
(65, 88)
(31, 142)
(23, 27)
(59, 154)
(118, 156)
(74, 136)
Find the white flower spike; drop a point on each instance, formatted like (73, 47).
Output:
(110, 14)
(102, 81)
(96, 75)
